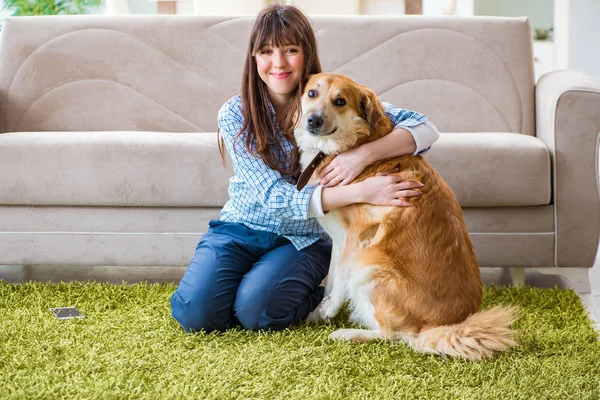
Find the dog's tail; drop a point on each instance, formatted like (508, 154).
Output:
(479, 336)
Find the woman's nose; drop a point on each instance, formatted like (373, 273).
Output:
(279, 59)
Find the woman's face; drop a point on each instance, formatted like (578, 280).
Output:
(281, 69)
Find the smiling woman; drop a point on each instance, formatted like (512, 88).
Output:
(281, 70)
(261, 264)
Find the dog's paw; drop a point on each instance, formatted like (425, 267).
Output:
(315, 316)
(356, 335)
(343, 334)
(329, 309)
(325, 311)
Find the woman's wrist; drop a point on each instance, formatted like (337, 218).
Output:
(359, 196)
(397, 143)
(366, 153)
(340, 196)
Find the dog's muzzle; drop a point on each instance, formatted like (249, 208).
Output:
(314, 122)
(315, 125)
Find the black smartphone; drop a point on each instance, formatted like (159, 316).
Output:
(66, 312)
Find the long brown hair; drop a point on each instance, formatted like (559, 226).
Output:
(276, 25)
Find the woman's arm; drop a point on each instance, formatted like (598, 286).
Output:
(397, 143)
(384, 190)
(424, 133)
(413, 134)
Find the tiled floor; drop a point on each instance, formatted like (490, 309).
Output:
(576, 278)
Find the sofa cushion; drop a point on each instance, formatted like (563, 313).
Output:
(185, 169)
(494, 169)
(112, 169)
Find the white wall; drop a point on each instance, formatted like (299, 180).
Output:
(382, 7)
(436, 7)
(252, 7)
(584, 36)
(228, 7)
(327, 7)
(539, 12)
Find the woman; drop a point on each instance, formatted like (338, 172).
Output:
(261, 264)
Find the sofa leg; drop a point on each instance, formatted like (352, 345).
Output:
(518, 276)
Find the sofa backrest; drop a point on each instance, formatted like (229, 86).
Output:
(173, 73)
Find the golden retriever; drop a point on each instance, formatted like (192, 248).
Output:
(409, 273)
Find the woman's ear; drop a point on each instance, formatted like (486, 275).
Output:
(371, 108)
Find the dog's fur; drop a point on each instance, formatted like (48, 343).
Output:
(409, 273)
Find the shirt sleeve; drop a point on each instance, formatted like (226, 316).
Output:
(315, 207)
(279, 197)
(423, 131)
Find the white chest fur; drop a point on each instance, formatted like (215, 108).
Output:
(332, 223)
(348, 279)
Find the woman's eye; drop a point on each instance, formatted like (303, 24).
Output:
(339, 102)
(265, 51)
(312, 93)
(292, 50)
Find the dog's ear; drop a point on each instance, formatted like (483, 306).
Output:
(371, 108)
(306, 81)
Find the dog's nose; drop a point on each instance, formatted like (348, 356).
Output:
(314, 121)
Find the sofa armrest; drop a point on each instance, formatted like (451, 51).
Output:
(568, 122)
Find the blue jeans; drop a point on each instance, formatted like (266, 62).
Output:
(240, 276)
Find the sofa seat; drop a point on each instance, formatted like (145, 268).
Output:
(123, 168)
(184, 169)
(494, 168)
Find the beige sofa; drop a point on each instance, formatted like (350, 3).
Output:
(109, 153)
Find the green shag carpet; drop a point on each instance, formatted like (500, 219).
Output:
(128, 346)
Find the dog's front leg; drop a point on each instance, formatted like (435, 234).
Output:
(333, 265)
(334, 293)
(331, 304)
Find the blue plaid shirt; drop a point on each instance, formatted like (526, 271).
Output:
(263, 199)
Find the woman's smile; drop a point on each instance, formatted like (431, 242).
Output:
(280, 68)
(281, 75)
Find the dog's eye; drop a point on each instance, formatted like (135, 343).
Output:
(312, 93)
(339, 102)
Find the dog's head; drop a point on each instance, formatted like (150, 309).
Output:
(337, 113)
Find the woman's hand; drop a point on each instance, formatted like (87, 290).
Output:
(389, 190)
(344, 168)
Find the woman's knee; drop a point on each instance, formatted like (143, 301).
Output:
(190, 304)
(205, 295)
(255, 311)
(194, 316)
(260, 318)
